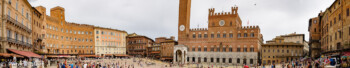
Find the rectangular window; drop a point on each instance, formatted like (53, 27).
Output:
(251, 61)
(199, 49)
(27, 15)
(9, 1)
(217, 49)
(205, 49)
(245, 49)
(212, 49)
(251, 34)
(205, 35)
(340, 34)
(335, 37)
(238, 49)
(199, 35)
(339, 16)
(224, 49)
(97, 32)
(8, 33)
(217, 60)
(230, 49)
(230, 60)
(239, 35)
(238, 60)
(193, 49)
(230, 35)
(212, 35)
(194, 36)
(193, 59)
(224, 35)
(218, 35)
(347, 12)
(252, 49)
(245, 35)
(335, 20)
(17, 5)
(223, 60)
(9, 12)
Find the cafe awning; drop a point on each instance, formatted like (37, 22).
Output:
(5, 55)
(87, 55)
(108, 54)
(25, 53)
(60, 56)
(121, 55)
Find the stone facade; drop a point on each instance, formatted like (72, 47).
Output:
(63, 37)
(165, 46)
(315, 37)
(283, 48)
(38, 31)
(109, 41)
(138, 45)
(332, 29)
(16, 25)
(224, 40)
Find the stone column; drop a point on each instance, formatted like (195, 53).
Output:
(182, 57)
(174, 57)
(185, 57)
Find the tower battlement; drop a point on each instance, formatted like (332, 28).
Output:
(233, 12)
(249, 27)
(199, 29)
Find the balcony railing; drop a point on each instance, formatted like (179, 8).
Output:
(16, 23)
(16, 41)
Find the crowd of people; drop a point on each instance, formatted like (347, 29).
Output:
(323, 62)
(23, 63)
(106, 63)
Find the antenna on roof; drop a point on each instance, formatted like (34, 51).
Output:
(197, 25)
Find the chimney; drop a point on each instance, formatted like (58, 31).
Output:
(172, 37)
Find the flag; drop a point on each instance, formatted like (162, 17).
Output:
(248, 22)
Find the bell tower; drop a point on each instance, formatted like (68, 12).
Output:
(184, 20)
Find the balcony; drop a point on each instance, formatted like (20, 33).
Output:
(16, 23)
(15, 41)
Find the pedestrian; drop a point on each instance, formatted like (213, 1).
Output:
(85, 65)
(245, 66)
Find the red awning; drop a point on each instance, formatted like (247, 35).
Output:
(121, 55)
(346, 53)
(25, 53)
(87, 55)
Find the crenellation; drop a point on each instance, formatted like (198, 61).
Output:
(250, 27)
(233, 12)
(199, 29)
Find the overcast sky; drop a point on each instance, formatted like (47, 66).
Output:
(159, 18)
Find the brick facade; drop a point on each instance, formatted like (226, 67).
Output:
(224, 41)
(138, 45)
(62, 37)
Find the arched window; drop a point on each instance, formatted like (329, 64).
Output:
(251, 61)
(238, 60)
